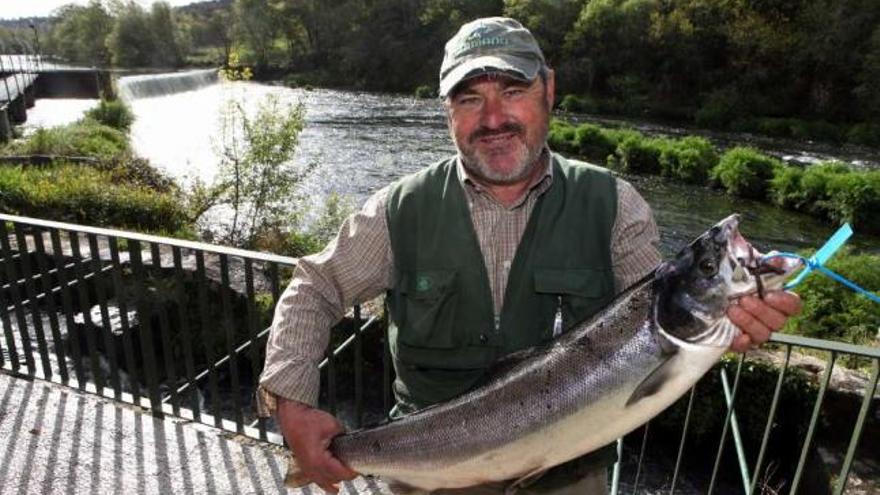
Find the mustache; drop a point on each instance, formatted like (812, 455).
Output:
(507, 127)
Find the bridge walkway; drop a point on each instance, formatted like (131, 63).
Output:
(54, 439)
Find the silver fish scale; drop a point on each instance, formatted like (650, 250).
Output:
(602, 354)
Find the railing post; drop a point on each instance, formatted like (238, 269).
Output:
(813, 421)
(131, 363)
(358, 369)
(229, 326)
(36, 317)
(145, 325)
(185, 334)
(12, 280)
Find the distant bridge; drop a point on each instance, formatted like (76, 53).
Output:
(20, 88)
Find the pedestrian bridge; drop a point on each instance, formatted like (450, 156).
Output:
(129, 362)
(21, 86)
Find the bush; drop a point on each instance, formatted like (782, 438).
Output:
(833, 312)
(639, 155)
(855, 198)
(561, 136)
(115, 114)
(745, 172)
(424, 91)
(593, 143)
(576, 103)
(785, 188)
(85, 195)
(87, 138)
(688, 159)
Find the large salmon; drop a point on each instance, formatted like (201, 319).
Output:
(590, 386)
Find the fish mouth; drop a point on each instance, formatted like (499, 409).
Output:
(751, 273)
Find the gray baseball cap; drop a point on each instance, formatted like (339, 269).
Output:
(491, 44)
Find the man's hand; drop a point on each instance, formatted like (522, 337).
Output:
(757, 317)
(308, 432)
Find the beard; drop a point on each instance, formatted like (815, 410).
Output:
(515, 165)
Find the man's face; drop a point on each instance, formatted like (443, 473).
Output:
(499, 125)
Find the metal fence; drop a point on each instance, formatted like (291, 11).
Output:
(180, 327)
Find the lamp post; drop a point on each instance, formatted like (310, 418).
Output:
(37, 45)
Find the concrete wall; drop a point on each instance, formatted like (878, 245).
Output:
(86, 83)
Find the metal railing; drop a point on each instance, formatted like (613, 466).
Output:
(179, 327)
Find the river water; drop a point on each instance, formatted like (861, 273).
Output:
(358, 142)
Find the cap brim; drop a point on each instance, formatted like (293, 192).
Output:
(519, 67)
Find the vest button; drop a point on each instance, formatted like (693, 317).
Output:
(484, 338)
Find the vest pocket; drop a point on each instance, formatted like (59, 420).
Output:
(429, 299)
(578, 292)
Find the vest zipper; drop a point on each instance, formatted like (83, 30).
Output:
(557, 321)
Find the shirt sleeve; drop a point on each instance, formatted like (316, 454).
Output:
(356, 266)
(634, 239)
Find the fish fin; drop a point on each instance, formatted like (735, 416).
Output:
(295, 478)
(400, 488)
(524, 481)
(652, 383)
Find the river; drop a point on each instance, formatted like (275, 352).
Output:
(359, 142)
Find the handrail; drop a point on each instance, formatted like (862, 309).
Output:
(135, 236)
(30, 274)
(825, 345)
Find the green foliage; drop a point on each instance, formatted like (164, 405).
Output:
(745, 172)
(256, 178)
(424, 91)
(757, 384)
(578, 103)
(805, 190)
(561, 136)
(593, 143)
(132, 42)
(87, 138)
(640, 155)
(688, 159)
(79, 34)
(115, 114)
(833, 312)
(855, 198)
(85, 195)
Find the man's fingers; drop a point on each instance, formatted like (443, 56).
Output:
(757, 331)
(741, 343)
(787, 303)
(768, 315)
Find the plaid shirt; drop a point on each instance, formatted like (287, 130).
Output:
(358, 266)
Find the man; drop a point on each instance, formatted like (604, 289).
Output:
(495, 250)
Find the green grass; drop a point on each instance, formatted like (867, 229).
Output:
(85, 138)
(85, 195)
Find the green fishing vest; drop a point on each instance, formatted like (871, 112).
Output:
(444, 334)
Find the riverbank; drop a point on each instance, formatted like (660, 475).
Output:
(104, 184)
(830, 190)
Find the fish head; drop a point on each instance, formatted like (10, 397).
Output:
(693, 291)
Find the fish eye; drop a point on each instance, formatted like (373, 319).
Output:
(708, 266)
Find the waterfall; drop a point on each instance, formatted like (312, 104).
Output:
(146, 86)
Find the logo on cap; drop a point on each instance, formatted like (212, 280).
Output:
(479, 38)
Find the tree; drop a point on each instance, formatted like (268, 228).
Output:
(79, 34)
(167, 50)
(131, 42)
(256, 179)
(256, 26)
